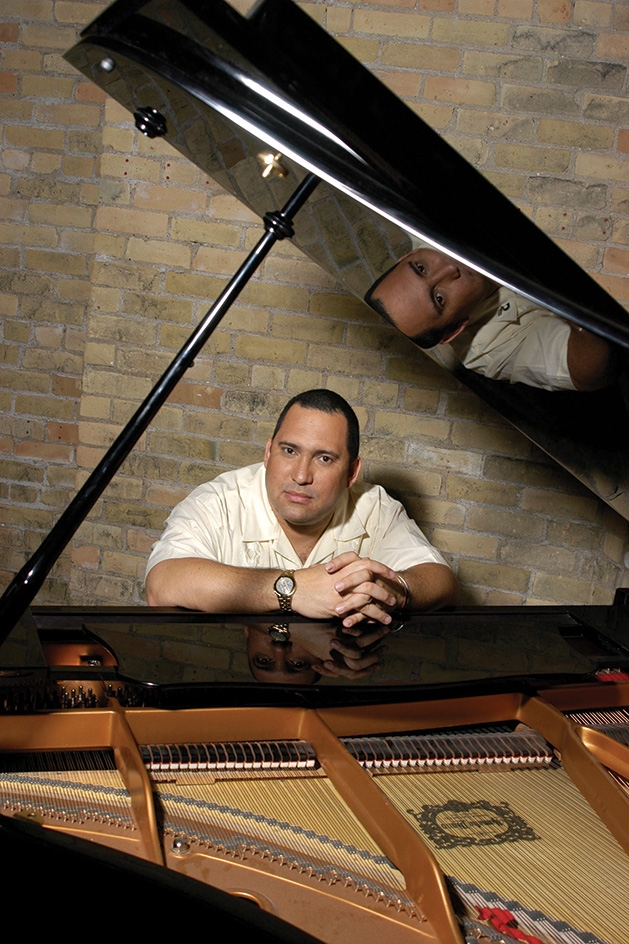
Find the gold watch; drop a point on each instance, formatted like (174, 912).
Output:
(285, 587)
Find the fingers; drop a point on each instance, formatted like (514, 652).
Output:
(351, 562)
(341, 561)
(354, 666)
(364, 634)
(364, 595)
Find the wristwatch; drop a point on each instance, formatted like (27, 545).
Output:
(284, 587)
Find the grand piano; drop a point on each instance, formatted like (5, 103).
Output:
(476, 787)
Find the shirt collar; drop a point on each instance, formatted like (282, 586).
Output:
(261, 524)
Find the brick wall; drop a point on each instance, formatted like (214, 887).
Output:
(114, 246)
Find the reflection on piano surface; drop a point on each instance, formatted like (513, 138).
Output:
(414, 818)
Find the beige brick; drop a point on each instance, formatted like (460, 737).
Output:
(137, 222)
(465, 33)
(272, 349)
(561, 589)
(464, 545)
(554, 11)
(361, 363)
(541, 159)
(582, 507)
(119, 275)
(391, 24)
(159, 253)
(421, 57)
(218, 261)
(198, 231)
(305, 328)
(613, 46)
(574, 134)
(606, 108)
(21, 234)
(540, 100)
(460, 91)
(478, 490)
(84, 116)
(524, 68)
(602, 167)
(237, 454)
(621, 232)
(437, 116)
(618, 288)
(554, 191)
(575, 72)
(474, 151)
(407, 426)
(424, 456)
(515, 9)
(168, 199)
(477, 7)
(592, 13)
(26, 137)
(380, 394)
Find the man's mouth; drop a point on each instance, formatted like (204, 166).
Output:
(300, 498)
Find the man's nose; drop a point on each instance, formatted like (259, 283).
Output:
(302, 473)
(448, 269)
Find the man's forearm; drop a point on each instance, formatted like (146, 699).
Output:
(431, 586)
(207, 585)
(591, 360)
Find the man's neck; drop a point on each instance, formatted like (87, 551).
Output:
(303, 539)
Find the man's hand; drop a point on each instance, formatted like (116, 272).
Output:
(370, 590)
(354, 664)
(349, 586)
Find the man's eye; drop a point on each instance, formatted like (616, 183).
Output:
(440, 299)
(326, 459)
(298, 665)
(264, 660)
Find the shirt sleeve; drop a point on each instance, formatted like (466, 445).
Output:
(192, 530)
(396, 540)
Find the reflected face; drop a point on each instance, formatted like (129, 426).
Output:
(277, 663)
(429, 296)
(308, 468)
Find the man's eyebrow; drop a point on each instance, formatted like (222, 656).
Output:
(315, 452)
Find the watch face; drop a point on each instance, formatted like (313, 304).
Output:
(285, 585)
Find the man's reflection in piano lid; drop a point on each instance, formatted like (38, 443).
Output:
(435, 299)
(301, 653)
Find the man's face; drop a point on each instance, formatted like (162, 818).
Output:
(308, 467)
(277, 663)
(429, 291)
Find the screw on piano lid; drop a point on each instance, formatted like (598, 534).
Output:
(180, 846)
(150, 122)
(107, 64)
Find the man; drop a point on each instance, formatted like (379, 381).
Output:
(433, 299)
(298, 533)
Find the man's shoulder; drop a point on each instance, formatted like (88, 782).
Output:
(367, 495)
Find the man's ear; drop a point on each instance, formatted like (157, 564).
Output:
(455, 332)
(354, 471)
(267, 451)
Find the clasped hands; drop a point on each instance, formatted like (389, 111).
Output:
(351, 588)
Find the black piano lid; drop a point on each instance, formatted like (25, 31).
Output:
(265, 75)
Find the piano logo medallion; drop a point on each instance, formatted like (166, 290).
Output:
(478, 823)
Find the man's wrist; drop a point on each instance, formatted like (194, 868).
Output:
(284, 588)
(407, 591)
